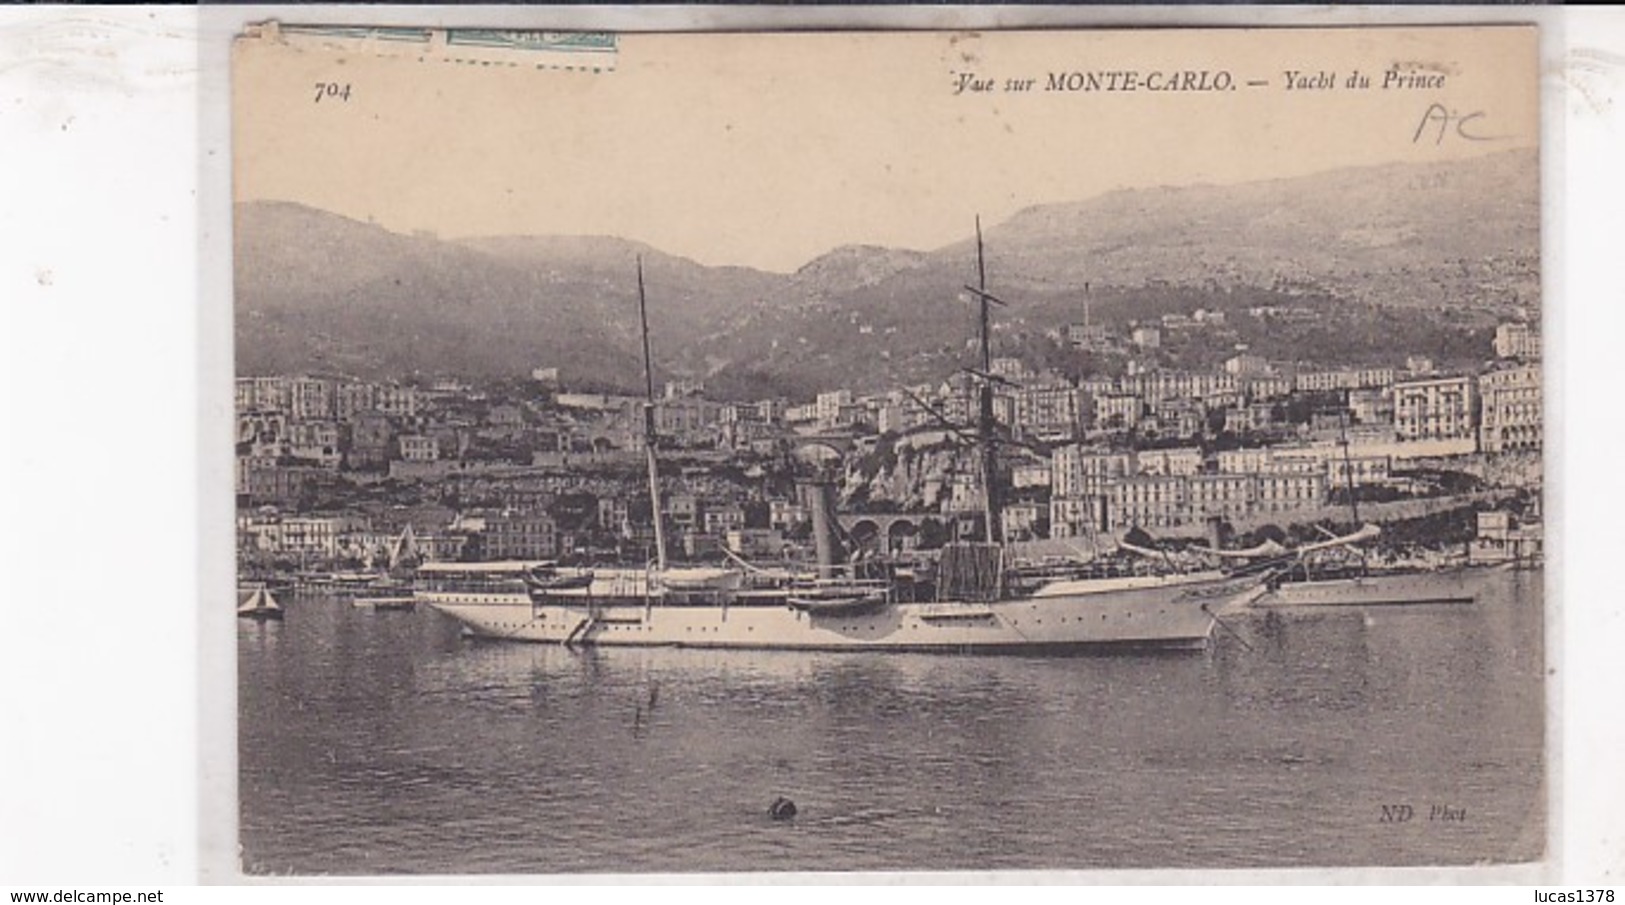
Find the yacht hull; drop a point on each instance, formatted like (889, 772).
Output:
(1454, 586)
(1152, 615)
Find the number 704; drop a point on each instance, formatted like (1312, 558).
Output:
(332, 90)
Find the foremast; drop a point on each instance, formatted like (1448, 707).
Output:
(650, 438)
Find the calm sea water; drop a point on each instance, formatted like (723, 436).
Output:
(384, 743)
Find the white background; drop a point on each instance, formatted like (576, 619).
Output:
(117, 686)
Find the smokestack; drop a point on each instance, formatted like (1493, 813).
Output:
(820, 494)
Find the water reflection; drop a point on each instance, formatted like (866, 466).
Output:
(383, 742)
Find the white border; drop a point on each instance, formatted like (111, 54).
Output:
(116, 335)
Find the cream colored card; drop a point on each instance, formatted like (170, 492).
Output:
(1290, 278)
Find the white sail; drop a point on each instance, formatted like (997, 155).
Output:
(260, 601)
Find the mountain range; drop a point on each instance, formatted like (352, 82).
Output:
(318, 292)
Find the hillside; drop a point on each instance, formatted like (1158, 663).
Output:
(319, 292)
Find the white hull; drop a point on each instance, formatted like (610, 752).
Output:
(1133, 613)
(1455, 586)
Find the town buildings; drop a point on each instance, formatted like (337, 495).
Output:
(563, 472)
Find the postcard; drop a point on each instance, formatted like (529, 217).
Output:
(873, 451)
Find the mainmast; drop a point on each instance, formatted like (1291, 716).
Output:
(649, 437)
(984, 420)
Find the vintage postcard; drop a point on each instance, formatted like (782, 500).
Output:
(880, 451)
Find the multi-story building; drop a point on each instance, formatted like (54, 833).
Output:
(1510, 409)
(520, 535)
(748, 434)
(263, 482)
(1157, 387)
(688, 421)
(1183, 461)
(370, 438)
(1245, 461)
(1077, 471)
(682, 389)
(1146, 337)
(1516, 340)
(1246, 365)
(354, 399)
(1076, 516)
(302, 536)
(958, 400)
(1298, 460)
(1342, 379)
(243, 395)
(396, 401)
(1147, 502)
(857, 413)
(1284, 492)
(1095, 387)
(1180, 417)
(614, 514)
(684, 510)
(1221, 495)
(770, 411)
(755, 543)
(719, 520)
(900, 414)
(317, 442)
(1373, 378)
(785, 514)
(264, 433)
(1013, 369)
(447, 547)
(804, 414)
(1248, 418)
(741, 412)
(264, 394)
(309, 536)
(1320, 381)
(420, 448)
(310, 398)
(1030, 474)
(1118, 411)
(1088, 337)
(829, 406)
(1264, 387)
(964, 495)
(1440, 408)
(1371, 406)
(1362, 470)
(1023, 520)
(1050, 411)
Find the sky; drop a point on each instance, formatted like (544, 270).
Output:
(769, 150)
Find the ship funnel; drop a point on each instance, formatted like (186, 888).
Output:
(820, 493)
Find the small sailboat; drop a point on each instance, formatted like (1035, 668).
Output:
(260, 605)
(391, 589)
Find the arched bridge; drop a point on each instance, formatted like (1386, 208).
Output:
(885, 532)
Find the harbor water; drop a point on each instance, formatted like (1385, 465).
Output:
(385, 743)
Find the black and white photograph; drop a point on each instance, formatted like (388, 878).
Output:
(856, 452)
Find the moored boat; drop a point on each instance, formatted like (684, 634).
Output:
(385, 595)
(1460, 584)
(260, 605)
